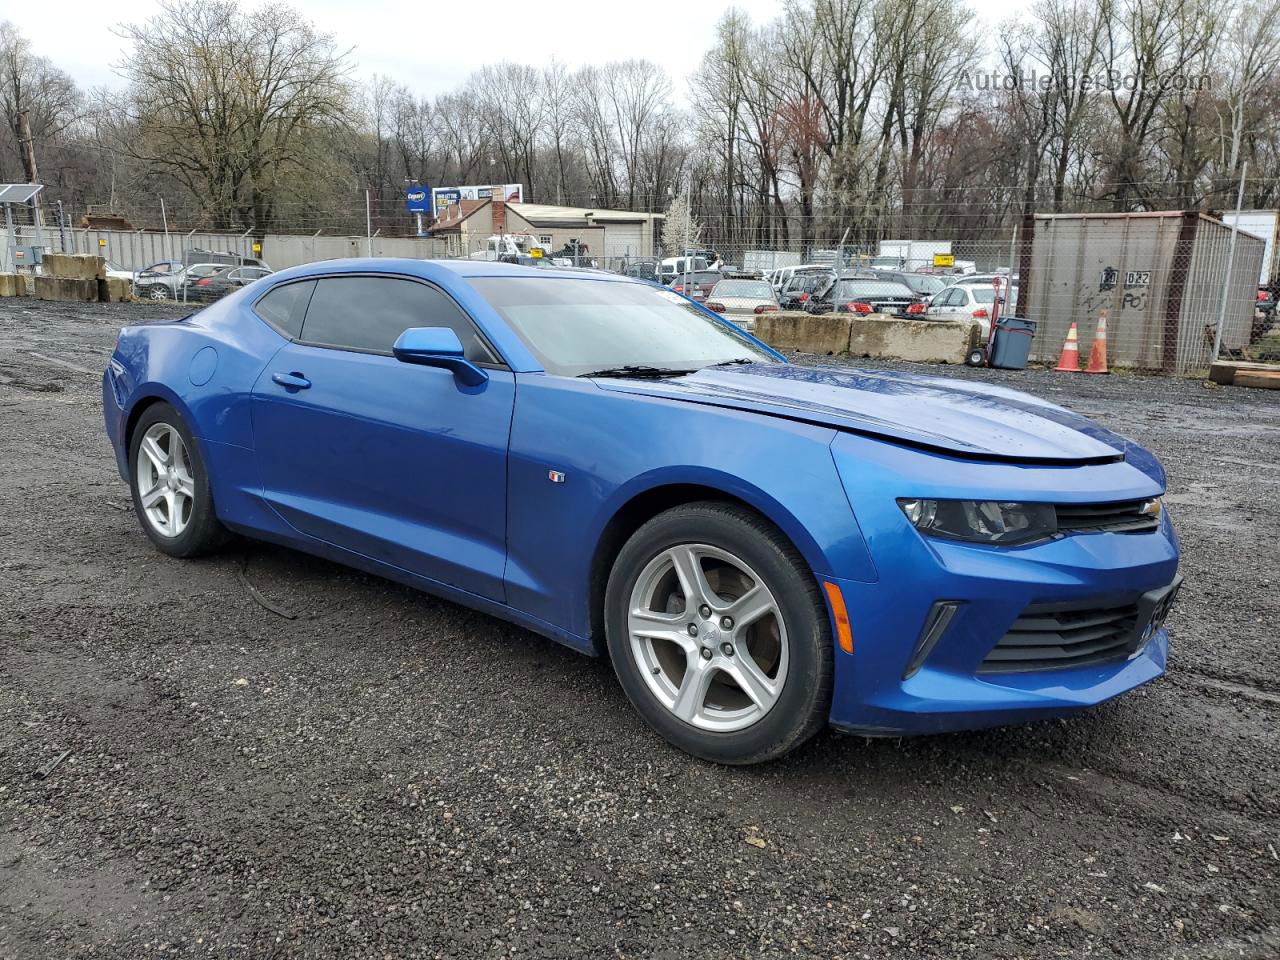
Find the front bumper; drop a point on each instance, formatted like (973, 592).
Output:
(992, 586)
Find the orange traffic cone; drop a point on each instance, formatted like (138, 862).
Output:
(1098, 355)
(1069, 362)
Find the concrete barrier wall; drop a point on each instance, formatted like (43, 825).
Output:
(922, 341)
(63, 288)
(825, 335)
(72, 266)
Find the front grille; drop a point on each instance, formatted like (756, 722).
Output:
(1055, 636)
(1125, 516)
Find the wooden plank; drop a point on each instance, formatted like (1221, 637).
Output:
(1262, 379)
(1224, 371)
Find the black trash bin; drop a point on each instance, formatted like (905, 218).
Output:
(1011, 344)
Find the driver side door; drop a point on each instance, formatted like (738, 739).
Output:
(394, 461)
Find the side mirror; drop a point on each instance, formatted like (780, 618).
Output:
(438, 347)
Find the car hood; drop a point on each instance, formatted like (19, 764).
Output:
(973, 420)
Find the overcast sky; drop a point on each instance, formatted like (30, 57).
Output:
(433, 46)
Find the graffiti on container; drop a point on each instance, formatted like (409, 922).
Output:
(1107, 280)
(1136, 301)
(1094, 301)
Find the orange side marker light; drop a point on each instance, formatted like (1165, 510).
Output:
(844, 635)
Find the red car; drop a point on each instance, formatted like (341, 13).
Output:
(700, 284)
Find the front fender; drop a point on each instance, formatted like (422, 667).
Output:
(725, 482)
(611, 447)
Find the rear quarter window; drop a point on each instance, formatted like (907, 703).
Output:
(284, 307)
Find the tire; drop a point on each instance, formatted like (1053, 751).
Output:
(178, 476)
(785, 654)
(157, 291)
(977, 357)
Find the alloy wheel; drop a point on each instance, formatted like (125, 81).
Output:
(166, 487)
(708, 637)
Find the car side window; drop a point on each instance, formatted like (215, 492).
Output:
(369, 313)
(283, 307)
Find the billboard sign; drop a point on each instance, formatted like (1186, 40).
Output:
(441, 197)
(417, 199)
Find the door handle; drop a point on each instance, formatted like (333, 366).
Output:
(291, 381)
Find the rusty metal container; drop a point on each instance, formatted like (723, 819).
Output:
(1157, 275)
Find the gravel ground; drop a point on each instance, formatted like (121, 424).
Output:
(389, 775)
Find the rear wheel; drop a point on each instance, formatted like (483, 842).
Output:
(977, 357)
(170, 487)
(718, 634)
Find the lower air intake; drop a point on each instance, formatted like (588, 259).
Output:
(1055, 636)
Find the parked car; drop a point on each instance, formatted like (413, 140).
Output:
(226, 258)
(184, 281)
(1266, 303)
(760, 548)
(641, 269)
(696, 285)
(921, 284)
(858, 295)
(780, 276)
(219, 284)
(117, 272)
(742, 300)
(964, 302)
(673, 267)
(1264, 314)
(158, 281)
(800, 288)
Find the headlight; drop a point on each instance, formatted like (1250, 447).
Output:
(982, 521)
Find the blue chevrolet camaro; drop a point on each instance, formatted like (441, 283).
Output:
(761, 548)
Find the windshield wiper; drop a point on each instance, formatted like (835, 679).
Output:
(726, 363)
(637, 372)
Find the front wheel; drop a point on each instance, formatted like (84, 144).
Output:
(157, 291)
(977, 357)
(718, 634)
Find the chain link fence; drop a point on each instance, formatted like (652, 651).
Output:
(1176, 289)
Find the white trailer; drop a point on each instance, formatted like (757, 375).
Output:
(1262, 224)
(766, 261)
(911, 254)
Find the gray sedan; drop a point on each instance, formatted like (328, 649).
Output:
(742, 300)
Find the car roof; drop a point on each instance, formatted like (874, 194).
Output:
(442, 270)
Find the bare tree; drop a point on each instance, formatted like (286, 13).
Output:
(37, 100)
(223, 100)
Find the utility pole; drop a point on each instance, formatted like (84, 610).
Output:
(28, 147)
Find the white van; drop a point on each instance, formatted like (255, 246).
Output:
(672, 267)
(780, 276)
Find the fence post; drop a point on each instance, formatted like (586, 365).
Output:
(1231, 261)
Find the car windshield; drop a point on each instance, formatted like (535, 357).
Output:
(744, 288)
(580, 326)
(849, 289)
(923, 285)
(708, 278)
